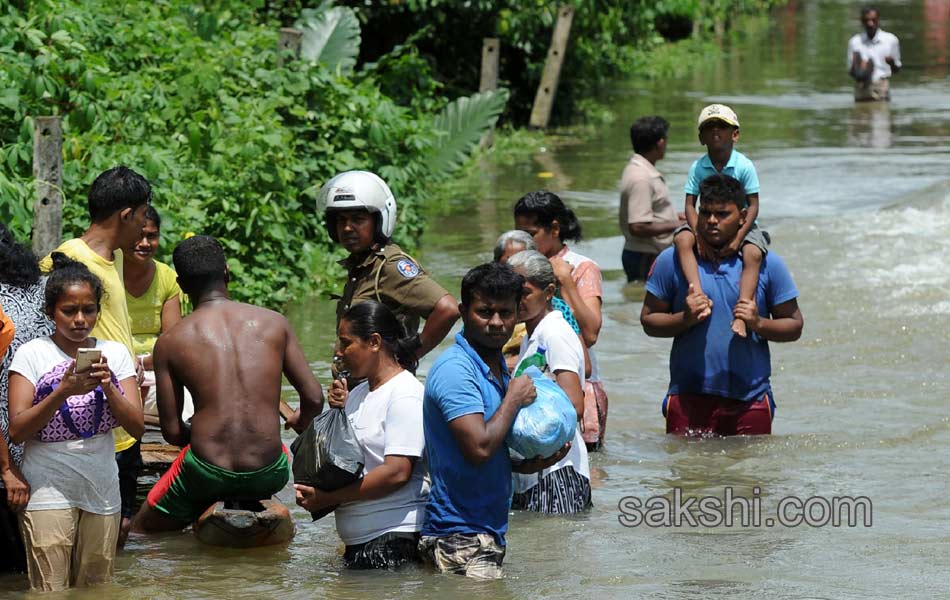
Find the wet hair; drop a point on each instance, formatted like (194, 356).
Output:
(367, 318)
(200, 262)
(513, 236)
(492, 280)
(646, 133)
(535, 267)
(18, 265)
(152, 215)
(117, 189)
(869, 8)
(66, 273)
(722, 189)
(547, 207)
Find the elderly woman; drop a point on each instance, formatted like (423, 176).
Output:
(551, 343)
(512, 242)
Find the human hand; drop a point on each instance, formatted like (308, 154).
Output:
(339, 392)
(562, 270)
(890, 60)
(533, 465)
(18, 488)
(139, 369)
(730, 248)
(78, 384)
(681, 217)
(312, 499)
(521, 390)
(748, 312)
(101, 372)
(698, 306)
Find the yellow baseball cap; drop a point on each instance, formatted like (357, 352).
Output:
(718, 111)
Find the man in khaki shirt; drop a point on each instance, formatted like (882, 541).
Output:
(647, 219)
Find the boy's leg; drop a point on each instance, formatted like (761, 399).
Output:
(685, 241)
(754, 248)
(748, 282)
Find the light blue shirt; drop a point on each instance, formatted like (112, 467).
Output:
(739, 167)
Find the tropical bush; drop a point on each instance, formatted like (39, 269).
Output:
(191, 96)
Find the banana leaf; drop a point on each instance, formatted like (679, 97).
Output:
(460, 126)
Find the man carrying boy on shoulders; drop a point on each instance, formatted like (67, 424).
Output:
(719, 383)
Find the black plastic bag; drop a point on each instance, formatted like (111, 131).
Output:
(327, 455)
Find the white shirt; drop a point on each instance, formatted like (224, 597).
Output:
(387, 421)
(883, 44)
(75, 473)
(563, 352)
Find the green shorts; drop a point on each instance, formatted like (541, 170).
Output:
(191, 485)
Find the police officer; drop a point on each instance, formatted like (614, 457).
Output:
(360, 213)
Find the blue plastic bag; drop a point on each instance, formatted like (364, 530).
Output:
(544, 426)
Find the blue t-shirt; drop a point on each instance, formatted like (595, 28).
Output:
(708, 358)
(738, 167)
(464, 497)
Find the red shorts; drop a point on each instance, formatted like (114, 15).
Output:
(702, 414)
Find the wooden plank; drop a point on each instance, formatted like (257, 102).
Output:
(547, 89)
(288, 40)
(48, 173)
(489, 79)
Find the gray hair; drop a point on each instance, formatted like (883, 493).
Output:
(535, 267)
(514, 236)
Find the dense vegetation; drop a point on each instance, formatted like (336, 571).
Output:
(188, 92)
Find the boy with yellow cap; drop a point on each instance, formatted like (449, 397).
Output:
(719, 131)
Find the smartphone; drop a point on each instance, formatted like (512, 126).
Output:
(86, 357)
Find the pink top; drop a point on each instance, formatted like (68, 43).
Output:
(586, 274)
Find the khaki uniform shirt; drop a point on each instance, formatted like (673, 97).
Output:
(392, 277)
(644, 198)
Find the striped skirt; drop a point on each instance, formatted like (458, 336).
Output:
(564, 491)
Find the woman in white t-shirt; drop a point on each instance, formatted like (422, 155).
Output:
(552, 346)
(71, 523)
(379, 517)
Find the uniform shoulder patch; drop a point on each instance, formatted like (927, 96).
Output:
(407, 268)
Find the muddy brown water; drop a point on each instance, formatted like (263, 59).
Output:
(857, 198)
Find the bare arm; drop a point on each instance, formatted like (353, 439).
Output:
(301, 377)
(438, 324)
(170, 399)
(479, 439)
(127, 408)
(18, 489)
(751, 213)
(385, 479)
(692, 217)
(586, 310)
(571, 384)
(658, 321)
(785, 325)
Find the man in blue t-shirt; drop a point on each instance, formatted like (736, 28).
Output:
(469, 405)
(719, 383)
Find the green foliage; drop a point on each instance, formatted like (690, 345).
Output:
(331, 35)
(461, 125)
(190, 96)
(609, 39)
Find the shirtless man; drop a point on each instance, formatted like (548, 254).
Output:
(230, 356)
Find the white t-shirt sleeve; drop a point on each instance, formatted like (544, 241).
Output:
(118, 357)
(30, 362)
(896, 50)
(404, 435)
(563, 351)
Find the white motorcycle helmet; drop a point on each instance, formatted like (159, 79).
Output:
(359, 190)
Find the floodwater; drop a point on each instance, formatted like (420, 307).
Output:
(857, 198)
